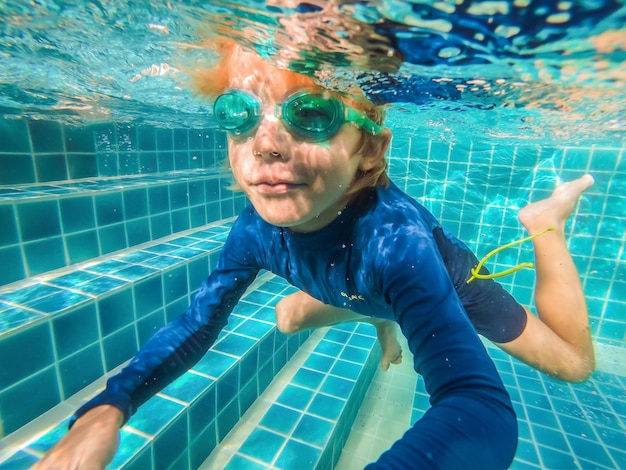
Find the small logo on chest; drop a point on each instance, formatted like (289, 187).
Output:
(352, 297)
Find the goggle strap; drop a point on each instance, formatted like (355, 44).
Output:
(362, 121)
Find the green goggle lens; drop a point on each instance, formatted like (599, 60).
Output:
(311, 116)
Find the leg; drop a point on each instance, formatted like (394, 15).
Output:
(300, 311)
(559, 342)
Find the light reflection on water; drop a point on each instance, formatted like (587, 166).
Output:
(549, 69)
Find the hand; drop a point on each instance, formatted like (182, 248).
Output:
(89, 445)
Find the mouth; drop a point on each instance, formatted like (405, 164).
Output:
(277, 187)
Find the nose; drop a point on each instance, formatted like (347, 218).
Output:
(270, 140)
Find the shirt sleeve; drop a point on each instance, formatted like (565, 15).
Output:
(176, 347)
(471, 420)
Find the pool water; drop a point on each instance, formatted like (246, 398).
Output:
(113, 188)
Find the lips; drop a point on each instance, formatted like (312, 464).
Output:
(276, 187)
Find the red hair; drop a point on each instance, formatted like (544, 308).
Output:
(235, 63)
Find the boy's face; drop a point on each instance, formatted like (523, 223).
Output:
(290, 182)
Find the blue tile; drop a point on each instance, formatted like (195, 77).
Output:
(44, 255)
(109, 208)
(175, 284)
(138, 231)
(319, 363)
(112, 238)
(11, 260)
(135, 203)
(148, 296)
(298, 455)
(109, 266)
(202, 414)
(552, 458)
(43, 393)
(14, 136)
(228, 387)
(295, 397)
(119, 347)
(587, 448)
(186, 252)
(17, 169)
(14, 317)
(51, 167)
(133, 452)
(33, 347)
(20, 459)
(262, 445)
(171, 444)
(164, 139)
(50, 438)
(146, 138)
(254, 329)
(80, 370)
(57, 302)
(39, 219)
(214, 364)
(135, 272)
(227, 418)
(179, 196)
(234, 344)
(114, 311)
(280, 419)
(265, 314)
(308, 378)
(158, 197)
(149, 325)
(148, 162)
(154, 415)
(162, 261)
(8, 234)
(82, 246)
(361, 341)
(46, 136)
(326, 406)
(329, 348)
(202, 445)
(75, 330)
(313, 430)
(239, 462)
(188, 387)
(337, 387)
(355, 355)
(180, 220)
(348, 370)
(79, 139)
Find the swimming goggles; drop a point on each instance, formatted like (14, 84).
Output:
(310, 115)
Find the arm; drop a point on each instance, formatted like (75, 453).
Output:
(471, 420)
(93, 437)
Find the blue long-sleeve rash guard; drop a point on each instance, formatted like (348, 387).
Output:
(384, 256)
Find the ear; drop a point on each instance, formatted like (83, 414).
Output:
(373, 150)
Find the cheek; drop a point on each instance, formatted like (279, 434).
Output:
(236, 154)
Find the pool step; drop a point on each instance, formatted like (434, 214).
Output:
(181, 425)
(52, 225)
(304, 418)
(64, 330)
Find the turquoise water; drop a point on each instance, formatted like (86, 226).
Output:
(112, 188)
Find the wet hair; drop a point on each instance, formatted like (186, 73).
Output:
(212, 82)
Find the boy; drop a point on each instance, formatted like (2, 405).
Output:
(325, 217)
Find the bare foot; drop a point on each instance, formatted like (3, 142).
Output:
(392, 351)
(555, 210)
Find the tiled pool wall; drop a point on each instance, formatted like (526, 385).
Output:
(71, 194)
(127, 186)
(476, 191)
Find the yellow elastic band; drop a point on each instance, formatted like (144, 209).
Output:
(475, 271)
